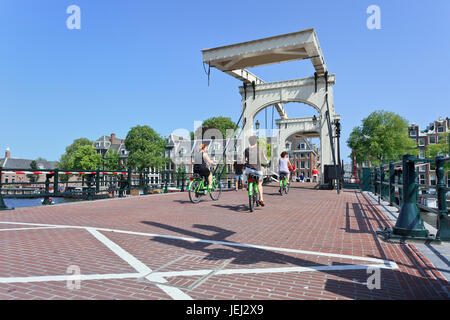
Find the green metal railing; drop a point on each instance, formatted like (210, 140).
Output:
(397, 183)
(95, 184)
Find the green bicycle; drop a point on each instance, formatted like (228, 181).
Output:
(198, 187)
(253, 192)
(284, 184)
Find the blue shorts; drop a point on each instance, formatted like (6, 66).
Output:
(239, 177)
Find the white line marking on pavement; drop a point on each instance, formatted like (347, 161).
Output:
(174, 293)
(68, 277)
(35, 228)
(232, 244)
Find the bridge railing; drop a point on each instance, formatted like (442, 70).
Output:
(397, 183)
(93, 184)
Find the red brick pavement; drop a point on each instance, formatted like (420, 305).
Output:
(306, 219)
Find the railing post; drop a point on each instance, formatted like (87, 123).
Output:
(391, 183)
(145, 191)
(97, 181)
(2, 202)
(47, 190)
(183, 178)
(443, 223)
(365, 183)
(382, 179)
(56, 182)
(129, 181)
(166, 173)
(409, 222)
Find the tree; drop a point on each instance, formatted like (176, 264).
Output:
(64, 161)
(85, 158)
(383, 136)
(146, 148)
(112, 160)
(221, 123)
(33, 178)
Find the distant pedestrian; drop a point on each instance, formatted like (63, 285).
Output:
(239, 174)
(302, 177)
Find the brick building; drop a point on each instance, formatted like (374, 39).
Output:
(428, 136)
(304, 155)
(8, 163)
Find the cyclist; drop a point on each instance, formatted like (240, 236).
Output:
(283, 165)
(202, 162)
(253, 156)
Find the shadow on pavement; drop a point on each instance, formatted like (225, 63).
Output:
(395, 284)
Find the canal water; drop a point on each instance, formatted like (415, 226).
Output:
(36, 202)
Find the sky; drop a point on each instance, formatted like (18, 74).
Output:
(140, 63)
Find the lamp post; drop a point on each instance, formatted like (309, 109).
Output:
(257, 127)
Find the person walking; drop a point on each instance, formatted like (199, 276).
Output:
(239, 175)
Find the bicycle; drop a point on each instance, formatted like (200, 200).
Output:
(198, 187)
(284, 184)
(253, 192)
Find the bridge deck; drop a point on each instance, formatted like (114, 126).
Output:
(309, 244)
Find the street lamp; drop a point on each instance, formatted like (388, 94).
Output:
(257, 126)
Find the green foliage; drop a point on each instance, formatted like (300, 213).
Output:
(220, 123)
(383, 136)
(146, 148)
(65, 159)
(112, 160)
(33, 178)
(85, 158)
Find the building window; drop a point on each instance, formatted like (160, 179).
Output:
(413, 133)
(6, 180)
(307, 164)
(421, 142)
(433, 179)
(302, 146)
(302, 165)
(440, 129)
(421, 179)
(422, 153)
(13, 179)
(423, 168)
(448, 180)
(432, 139)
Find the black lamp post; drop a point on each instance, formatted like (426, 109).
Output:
(257, 126)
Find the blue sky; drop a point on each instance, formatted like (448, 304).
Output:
(139, 62)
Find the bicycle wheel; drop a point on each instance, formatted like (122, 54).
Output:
(194, 188)
(287, 188)
(216, 190)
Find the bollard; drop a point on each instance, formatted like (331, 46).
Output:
(409, 222)
(443, 222)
